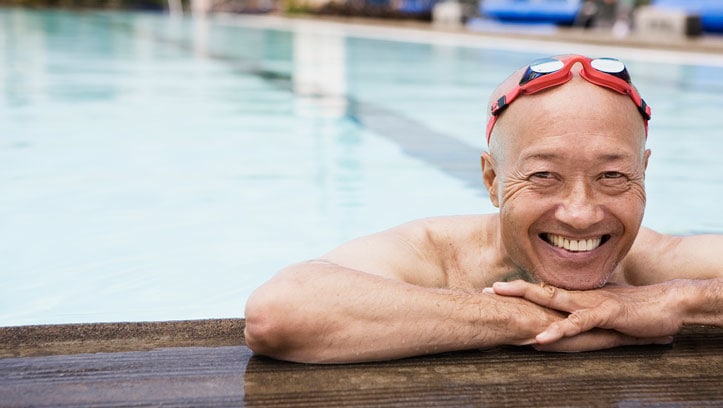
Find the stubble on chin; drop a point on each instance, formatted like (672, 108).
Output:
(519, 274)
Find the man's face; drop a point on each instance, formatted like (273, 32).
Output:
(569, 183)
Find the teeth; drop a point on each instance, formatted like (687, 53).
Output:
(574, 245)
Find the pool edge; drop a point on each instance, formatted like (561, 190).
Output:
(64, 339)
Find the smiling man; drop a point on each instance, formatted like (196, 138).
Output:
(563, 266)
(569, 184)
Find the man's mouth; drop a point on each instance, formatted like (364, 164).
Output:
(574, 245)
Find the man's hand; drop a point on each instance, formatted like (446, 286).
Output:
(631, 315)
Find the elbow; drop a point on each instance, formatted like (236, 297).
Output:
(264, 330)
(274, 327)
(283, 320)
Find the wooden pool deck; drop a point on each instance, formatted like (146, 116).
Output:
(206, 363)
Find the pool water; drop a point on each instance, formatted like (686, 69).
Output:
(160, 168)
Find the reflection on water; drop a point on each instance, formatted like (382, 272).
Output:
(157, 168)
(319, 74)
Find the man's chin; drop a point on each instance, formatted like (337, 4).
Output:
(574, 281)
(575, 270)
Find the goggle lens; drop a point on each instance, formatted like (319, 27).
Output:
(611, 66)
(546, 65)
(540, 68)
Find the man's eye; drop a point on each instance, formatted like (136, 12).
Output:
(612, 175)
(542, 175)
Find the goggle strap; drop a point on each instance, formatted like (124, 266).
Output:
(560, 77)
(490, 125)
(610, 81)
(644, 110)
(500, 105)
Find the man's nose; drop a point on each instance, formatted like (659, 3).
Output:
(579, 208)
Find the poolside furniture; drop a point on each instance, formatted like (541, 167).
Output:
(416, 6)
(710, 11)
(656, 23)
(562, 12)
(452, 13)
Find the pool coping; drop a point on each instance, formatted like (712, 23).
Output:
(66, 339)
(193, 365)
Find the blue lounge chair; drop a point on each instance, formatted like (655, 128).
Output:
(562, 12)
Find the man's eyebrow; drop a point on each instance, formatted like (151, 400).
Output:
(544, 156)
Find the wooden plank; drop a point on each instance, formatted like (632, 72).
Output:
(687, 373)
(44, 340)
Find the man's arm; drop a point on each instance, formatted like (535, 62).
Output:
(320, 312)
(381, 297)
(683, 278)
(389, 296)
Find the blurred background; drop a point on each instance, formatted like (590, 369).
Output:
(700, 15)
(161, 159)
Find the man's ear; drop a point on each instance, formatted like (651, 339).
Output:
(645, 159)
(489, 176)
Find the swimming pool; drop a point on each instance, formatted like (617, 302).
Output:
(157, 168)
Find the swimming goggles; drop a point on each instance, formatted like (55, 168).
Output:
(550, 72)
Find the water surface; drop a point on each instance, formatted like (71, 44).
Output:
(157, 168)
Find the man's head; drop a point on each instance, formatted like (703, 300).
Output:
(566, 168)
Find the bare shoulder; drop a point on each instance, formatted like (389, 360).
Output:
(657, 257)
(645, 261)
(417, 252)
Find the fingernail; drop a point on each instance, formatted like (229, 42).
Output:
(666, 340)
(543, 337)
(488, 290)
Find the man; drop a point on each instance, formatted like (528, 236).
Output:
(565, 167)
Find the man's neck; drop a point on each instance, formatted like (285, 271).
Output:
(519, 274)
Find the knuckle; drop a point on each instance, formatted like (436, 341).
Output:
(548, 290)
(577, 319)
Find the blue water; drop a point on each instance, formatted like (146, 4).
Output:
(158, 168)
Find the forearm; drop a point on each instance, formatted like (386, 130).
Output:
(320, 312)
(702, 301)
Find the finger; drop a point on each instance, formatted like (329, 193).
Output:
(599, 340)
(588, 341)
(542, 294)
(513, 288)
(576, 323)
(575, 345)
(624, 340)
